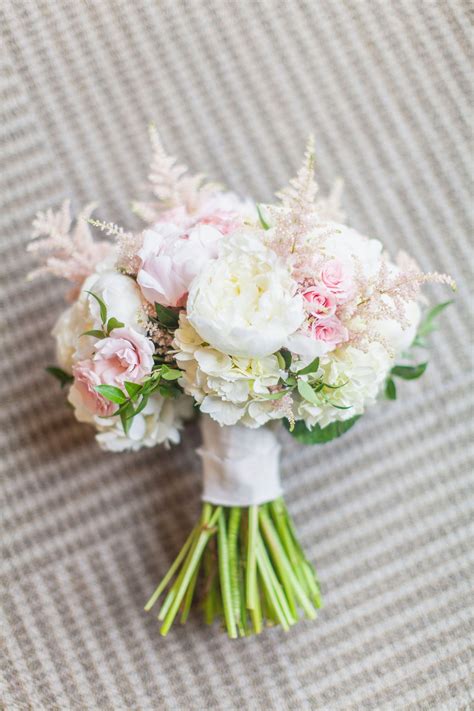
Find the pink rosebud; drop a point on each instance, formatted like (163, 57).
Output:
(124, 355)
(329, 330)
(83, 389)
(172, 258)
(319, 301)
(338, 280)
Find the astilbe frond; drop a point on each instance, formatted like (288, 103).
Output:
(66, 248)
(297, 213)
(171, 184)
(387, 294)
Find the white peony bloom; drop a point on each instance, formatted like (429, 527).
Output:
(229, 389)
(357, 377)
(244, 303)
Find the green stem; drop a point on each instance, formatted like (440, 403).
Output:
(224, 575)
(275, 544)
(189, 568)
(268, 584)
(251, 578)
(277, 553)
(188, 598)
(234, 523)
(174, 567)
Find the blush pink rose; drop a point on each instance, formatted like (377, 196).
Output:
(319, 301)
(329, 330)
(83, 389)
(225, 211)
(172, 258)
(338, 280)
(124, 356)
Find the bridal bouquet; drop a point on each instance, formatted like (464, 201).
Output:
(248, 316)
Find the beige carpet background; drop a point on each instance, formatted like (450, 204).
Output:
(385, 512)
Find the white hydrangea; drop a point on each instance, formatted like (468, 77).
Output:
(356, 377)
(158, 423)
(229, 389)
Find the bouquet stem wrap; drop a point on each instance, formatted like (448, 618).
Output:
(244, 551)
(241, 466)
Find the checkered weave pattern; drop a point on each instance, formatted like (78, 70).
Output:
(235, 87)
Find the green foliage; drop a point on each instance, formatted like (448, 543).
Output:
(263, 221)
(113, 323)
(390, 389)
(95, 333)
(112, 393)
(307, 392)
(166, 317)
(428, 324)
(320, 435)
(311, 368)
(60, 375)
(409, 372)
(102, 306)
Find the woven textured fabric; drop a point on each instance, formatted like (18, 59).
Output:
(235, 87)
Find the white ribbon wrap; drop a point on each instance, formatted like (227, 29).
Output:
(240, 465)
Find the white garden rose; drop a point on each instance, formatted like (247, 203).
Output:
(120, 294)
(229, 389)
(123, 300)
(244, 303)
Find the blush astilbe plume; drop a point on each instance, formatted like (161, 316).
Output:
(67, 247)
(171, 184)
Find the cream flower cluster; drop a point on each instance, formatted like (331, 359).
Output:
(230, 389)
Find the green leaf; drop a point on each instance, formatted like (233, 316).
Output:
(95, 333)
(287, 357)
(103, 307)
(113, 323)
(307, 392)
(428, 325)
(263, 221)
(142, 405)
(167, 317)
(110, 392)
(126, 417)
(320, 435)
(132, 389)
(274, 396)
(311, 368)
(60, 375)
(390, 390)
(409, 372)
(170, 373)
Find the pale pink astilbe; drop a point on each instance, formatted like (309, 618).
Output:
(299, 229)
(67, 248)
(171, 184)
(386, 296)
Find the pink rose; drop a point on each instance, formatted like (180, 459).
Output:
(338, 280)
(171, 259)
(319, 301)
(83, 391)
(330, 330)
(225, 211)
(124, 355)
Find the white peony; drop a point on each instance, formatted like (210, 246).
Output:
(229, 389)
(244, 303)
